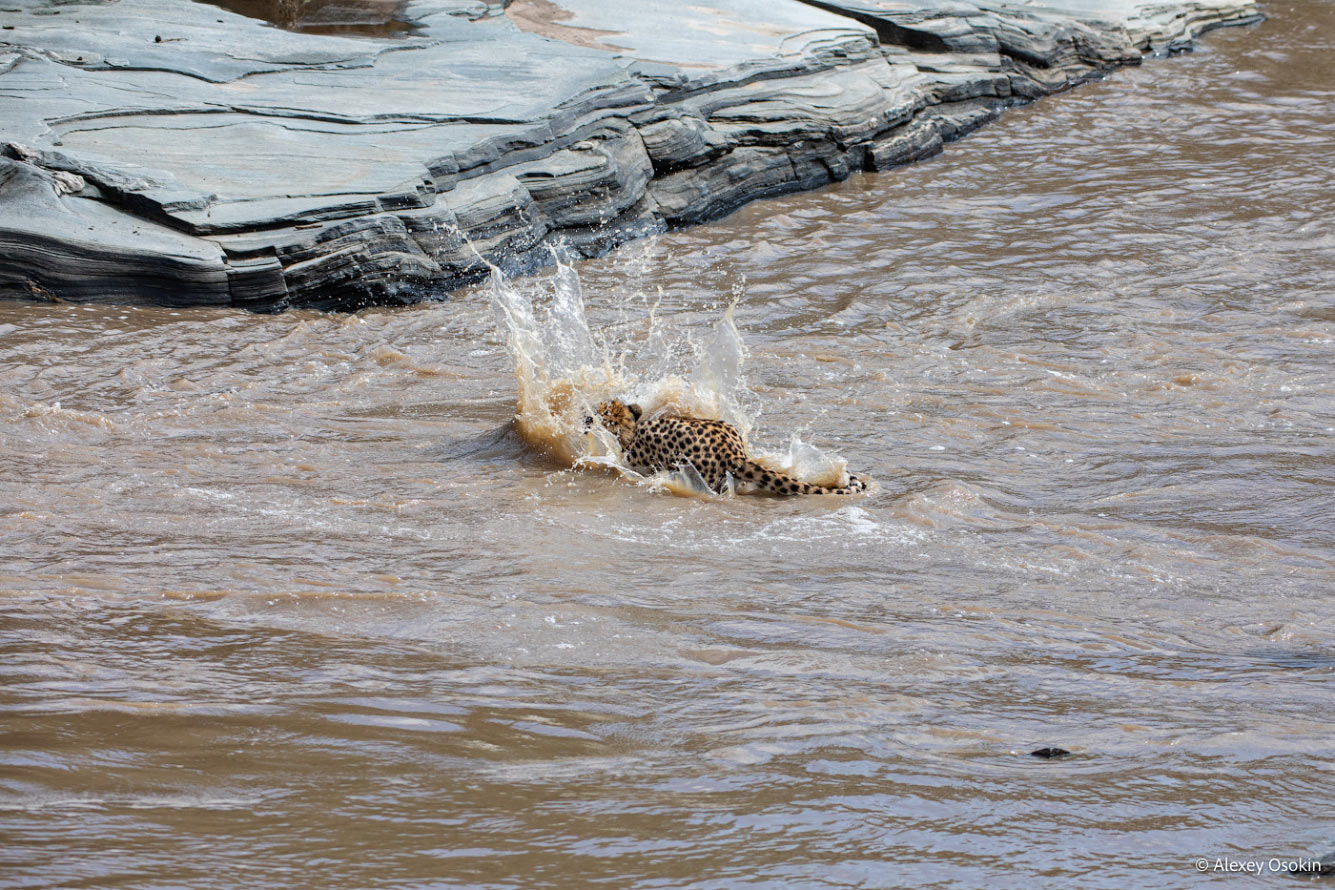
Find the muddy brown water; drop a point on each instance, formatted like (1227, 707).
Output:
(341, 18)
(285, 601)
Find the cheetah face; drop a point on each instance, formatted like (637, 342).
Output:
(619, 419)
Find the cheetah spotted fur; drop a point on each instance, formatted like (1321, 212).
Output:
(714, 448)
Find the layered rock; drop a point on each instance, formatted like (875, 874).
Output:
(178, 154)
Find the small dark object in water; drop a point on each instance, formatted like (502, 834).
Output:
(157, 38)
(1049, 753)
(1321, 867)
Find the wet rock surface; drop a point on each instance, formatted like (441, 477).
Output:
(172, 153)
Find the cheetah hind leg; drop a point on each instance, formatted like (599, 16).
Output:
(781, 484)
(694, 482)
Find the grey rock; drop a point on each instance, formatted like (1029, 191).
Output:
(681, 141)
(163, 152)
(905, 144)
(60, 246)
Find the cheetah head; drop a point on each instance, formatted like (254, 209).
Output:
(619, 419)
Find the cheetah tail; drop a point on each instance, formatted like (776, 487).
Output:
(778, 483)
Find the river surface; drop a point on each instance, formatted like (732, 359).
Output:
(293, 601)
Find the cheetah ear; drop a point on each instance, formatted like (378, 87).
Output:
(637, 411)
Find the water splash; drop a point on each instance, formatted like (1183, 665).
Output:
(560, 370)
(563, 369)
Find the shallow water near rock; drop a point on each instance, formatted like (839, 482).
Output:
(289, 602)
(344, 18)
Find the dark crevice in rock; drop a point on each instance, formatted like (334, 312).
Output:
(888, 31)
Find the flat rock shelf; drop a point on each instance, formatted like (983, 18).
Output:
(173, 153)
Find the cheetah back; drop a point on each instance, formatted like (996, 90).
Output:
(714, 448)
(668, 442)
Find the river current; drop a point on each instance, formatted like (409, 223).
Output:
(295, 600)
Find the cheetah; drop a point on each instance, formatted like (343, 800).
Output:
(712, 447)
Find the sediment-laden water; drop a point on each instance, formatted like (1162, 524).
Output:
(294, 601)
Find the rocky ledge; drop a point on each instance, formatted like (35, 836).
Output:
(157, 151)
